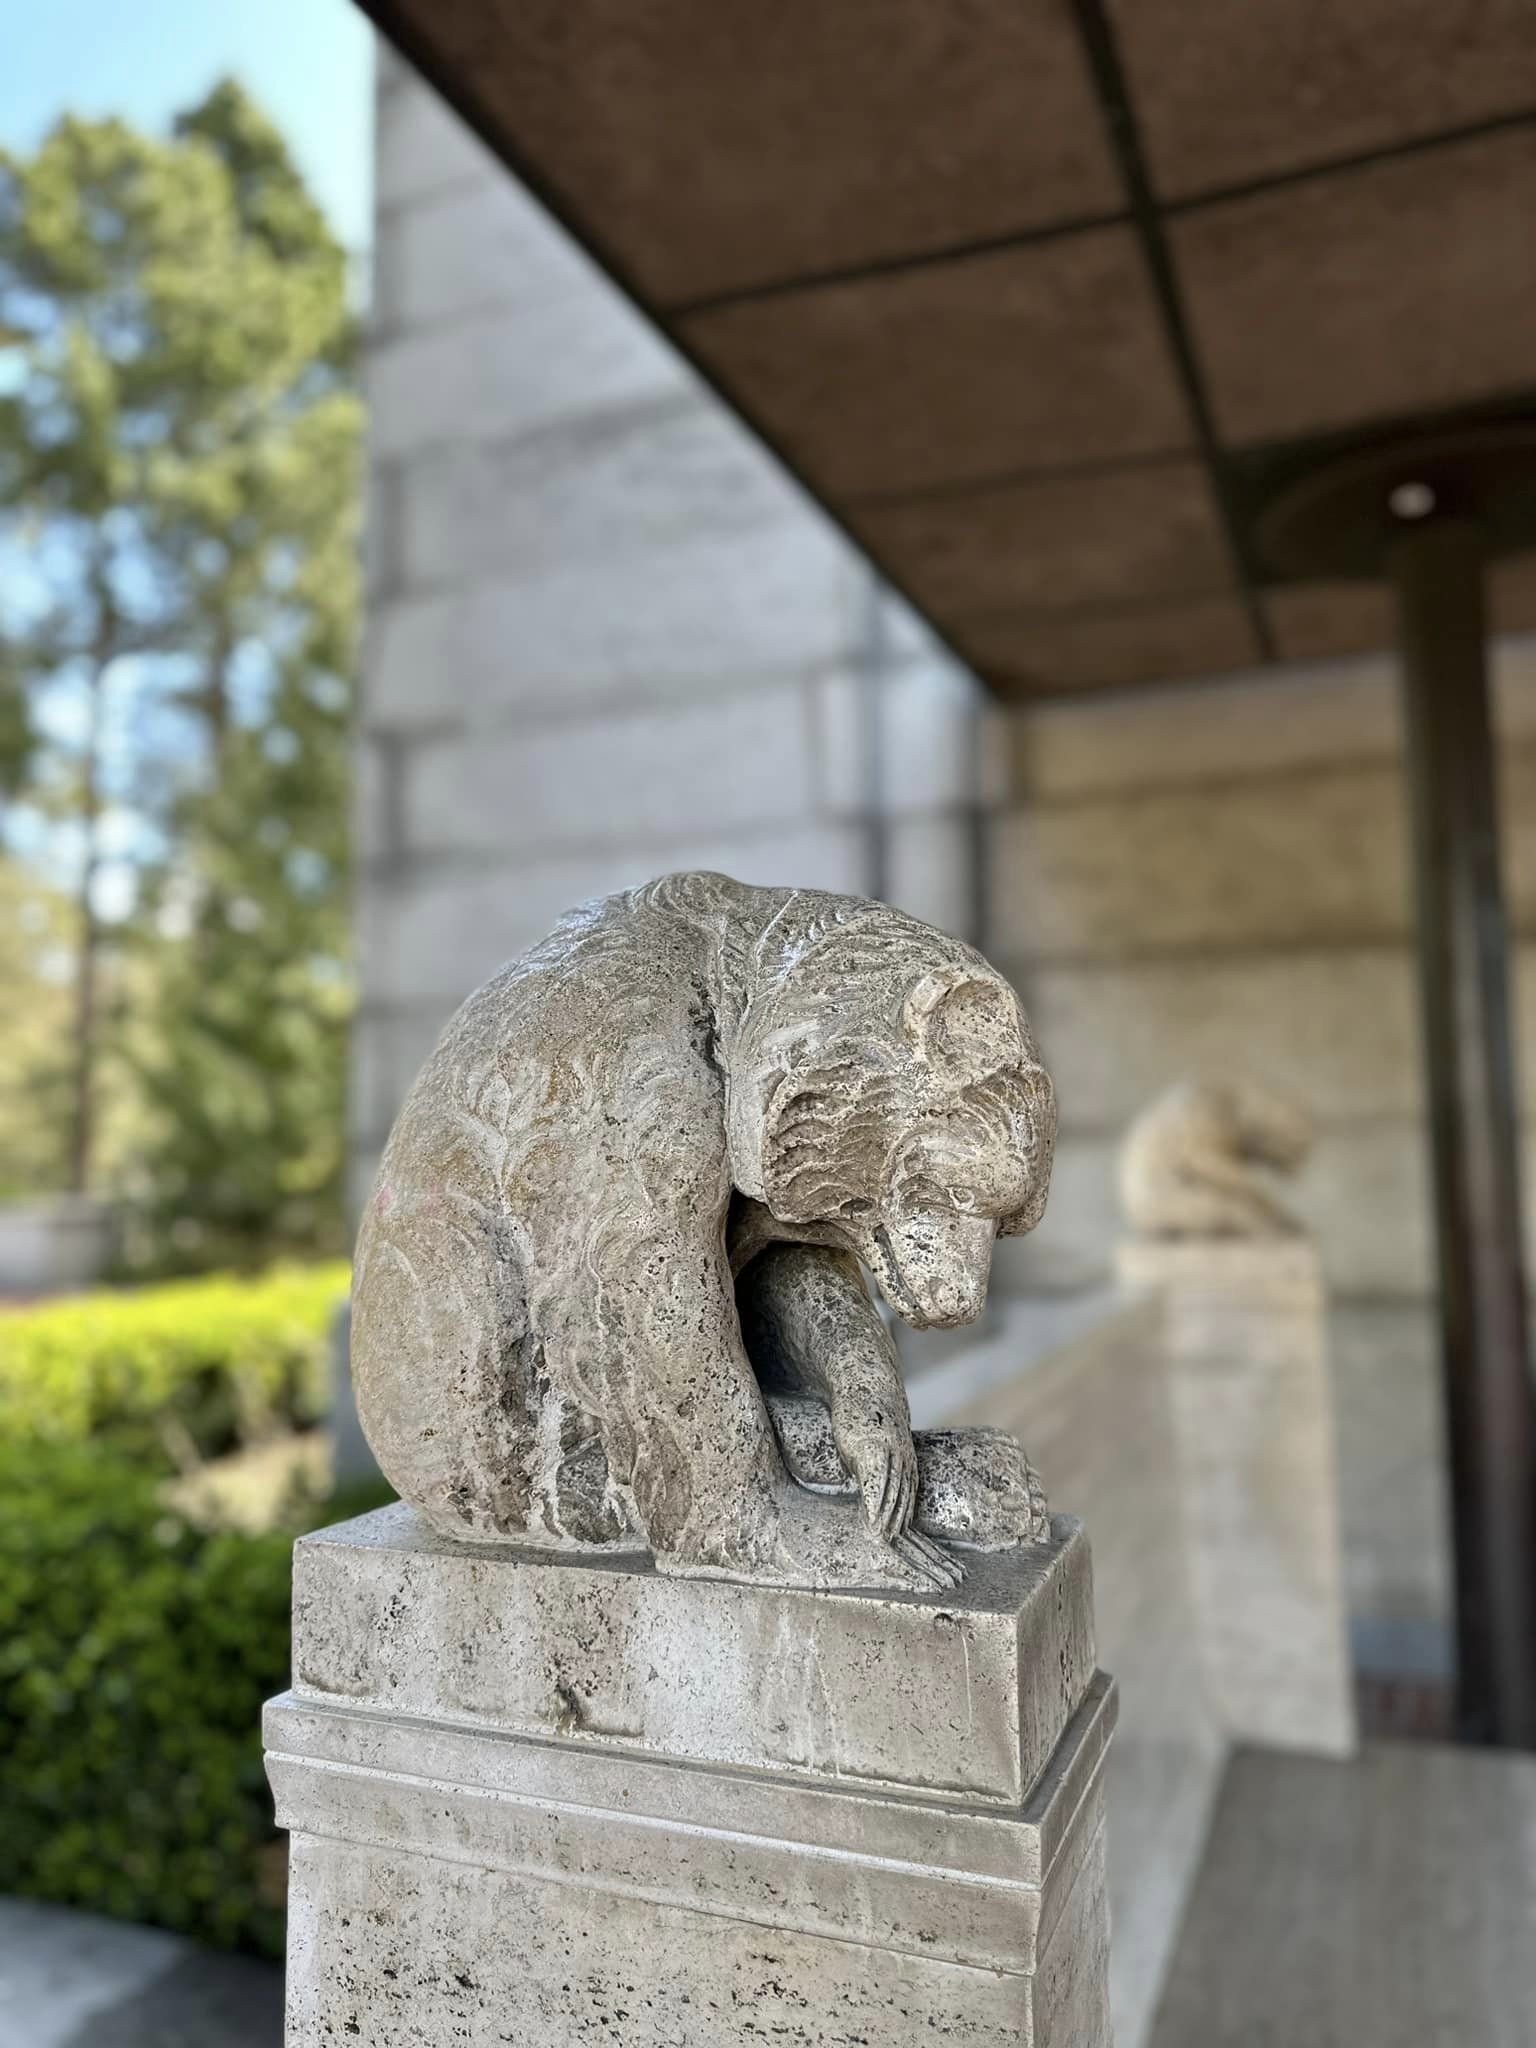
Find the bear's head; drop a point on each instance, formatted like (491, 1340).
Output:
(903, 1111)
(1272, 1130)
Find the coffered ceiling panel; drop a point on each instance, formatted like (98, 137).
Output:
(1316, 620)
(1042, 656)
(1311, 621)
(1042, 298)
(723, 146)
(1018, 360)
(1232, 91)
(1098, 538)
(1405, 286)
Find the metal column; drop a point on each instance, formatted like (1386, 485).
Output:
(1437, 565)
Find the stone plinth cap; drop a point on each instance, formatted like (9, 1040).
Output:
(948, 1882)
(1221, 1265)
(962, 1696)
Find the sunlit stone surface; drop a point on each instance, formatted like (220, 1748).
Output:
(629, 1196)
(689, 1696)
(540, 1800)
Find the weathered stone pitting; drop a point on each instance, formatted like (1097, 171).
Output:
(687, 1696)
(961, 1692)
(689, 1090)
(678, 1811)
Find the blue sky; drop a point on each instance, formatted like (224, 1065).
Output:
(308, 61)
(310, 64)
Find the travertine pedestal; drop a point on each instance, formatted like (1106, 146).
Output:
(544, 1802)
(1246, 1334)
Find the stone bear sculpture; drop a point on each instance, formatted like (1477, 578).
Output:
(608, 1286)
(1192, 1162)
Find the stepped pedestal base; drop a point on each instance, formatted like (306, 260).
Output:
(542, 1802)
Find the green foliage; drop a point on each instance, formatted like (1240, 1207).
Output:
(240, 1053)
(15, 725)
(179, 466)
(135, 1653)
(167, 1373)
(36, 934)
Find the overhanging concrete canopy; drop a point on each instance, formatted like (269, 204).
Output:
(1037, 296)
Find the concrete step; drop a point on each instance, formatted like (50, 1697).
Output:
(73, 1980)
(1385, 1902)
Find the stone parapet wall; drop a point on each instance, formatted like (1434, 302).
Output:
(1087, 1391)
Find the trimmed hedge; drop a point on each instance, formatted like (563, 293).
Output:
(189, 1365)
(135, 1653)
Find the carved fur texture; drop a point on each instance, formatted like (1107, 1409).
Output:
(619, 1129)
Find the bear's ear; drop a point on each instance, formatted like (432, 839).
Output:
(962, 1022)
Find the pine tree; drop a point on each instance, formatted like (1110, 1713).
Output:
(34, 1027)
(180, 451)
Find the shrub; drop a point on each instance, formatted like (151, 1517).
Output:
(186, 1366)
(135, 1653)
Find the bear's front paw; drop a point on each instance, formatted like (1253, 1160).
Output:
(977, 1488)
(874, 1440)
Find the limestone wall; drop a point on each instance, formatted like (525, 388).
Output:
(608, 636)
(1217, 877)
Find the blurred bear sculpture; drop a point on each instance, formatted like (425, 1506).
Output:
(608, 1287)
(1192, 1162)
